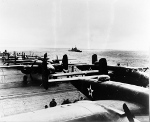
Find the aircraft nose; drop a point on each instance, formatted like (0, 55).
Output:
(51, 68)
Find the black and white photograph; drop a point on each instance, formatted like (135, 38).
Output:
(74, 60)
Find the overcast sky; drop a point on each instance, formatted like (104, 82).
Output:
(89, 24)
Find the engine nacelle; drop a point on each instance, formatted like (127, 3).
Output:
(103, 78)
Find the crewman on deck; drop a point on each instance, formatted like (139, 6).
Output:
(52, 103)
(66, 102)
(46, 106)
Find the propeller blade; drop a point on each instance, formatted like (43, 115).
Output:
(128, 113)
(45, 72)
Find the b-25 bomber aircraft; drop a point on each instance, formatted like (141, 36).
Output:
(110, 102)
(39, 69)
(130, 75)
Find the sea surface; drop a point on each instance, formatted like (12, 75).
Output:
(125, 58)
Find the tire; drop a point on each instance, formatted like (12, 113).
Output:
(25, 81)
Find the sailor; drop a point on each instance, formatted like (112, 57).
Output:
(66, 102)
(52, 103)
(46, 106)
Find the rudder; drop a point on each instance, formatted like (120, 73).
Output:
(65, 62)
(103, 67)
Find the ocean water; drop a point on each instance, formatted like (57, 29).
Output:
(125, 58)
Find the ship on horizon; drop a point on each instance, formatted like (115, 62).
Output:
(75, 50)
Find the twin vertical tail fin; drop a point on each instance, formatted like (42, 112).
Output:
(103, 67)
(65, 62)
(101, 64)
(94, 58)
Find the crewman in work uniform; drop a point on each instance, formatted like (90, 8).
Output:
(66, 102)
(53, 103)
(45, 72)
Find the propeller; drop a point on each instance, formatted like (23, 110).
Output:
(45, 72)
(129, 115)
(32, 69)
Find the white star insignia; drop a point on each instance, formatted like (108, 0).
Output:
(90, 91)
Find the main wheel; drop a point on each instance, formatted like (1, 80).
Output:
(25, 81)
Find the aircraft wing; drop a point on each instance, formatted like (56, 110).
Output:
(139, 68)
(81, 111)
(116, 105)
(82, 66)
(18, 67)
(101, 88)
(116, 68)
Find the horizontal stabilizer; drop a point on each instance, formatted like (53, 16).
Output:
(76, 64)
(75, 73)
(72, 79)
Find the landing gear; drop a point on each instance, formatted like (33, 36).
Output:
(25, 79)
